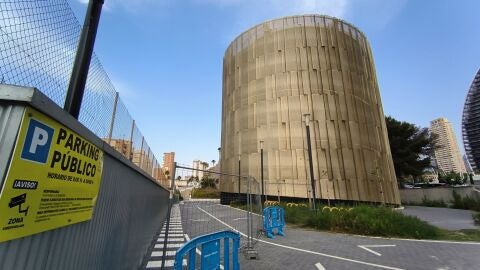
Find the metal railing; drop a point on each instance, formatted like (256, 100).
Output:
(204, 216)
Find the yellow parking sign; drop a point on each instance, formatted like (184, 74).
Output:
(52, 181)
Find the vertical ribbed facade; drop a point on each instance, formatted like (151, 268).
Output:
(276, 72)
(471, 124)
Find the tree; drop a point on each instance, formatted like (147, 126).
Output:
(207, 182)
(213, 162)
(193, 179)
(452, 178)
(411, 147)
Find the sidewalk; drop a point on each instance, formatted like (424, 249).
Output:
(445, 218)
(175, 240)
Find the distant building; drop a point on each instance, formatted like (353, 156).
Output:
(199, 165)
(471, 124)
(124, 147)
(137, 157)
(168, 160)
(467, 164)
(447, 154)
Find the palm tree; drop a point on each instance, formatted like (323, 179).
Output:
(213, 162)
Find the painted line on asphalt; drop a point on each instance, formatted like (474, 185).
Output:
(238, 209)
(379, 237)
(366, 247)
(417, 240)
(305, 250)
(319, 266)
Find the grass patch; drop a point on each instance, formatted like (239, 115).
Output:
(476, 218)
(364, 220)
(369, 220)
(433, 203)
(461, 235)
(205, 193)
(468, 203)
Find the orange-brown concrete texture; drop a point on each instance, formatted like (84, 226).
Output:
(276, 72)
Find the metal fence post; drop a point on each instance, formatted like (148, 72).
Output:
(130, 155)
(239, 177)
(112, 122)
(78, 79)
(140, 160)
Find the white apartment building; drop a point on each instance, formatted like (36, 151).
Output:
(447, 153)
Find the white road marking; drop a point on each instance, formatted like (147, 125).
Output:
(168, 263)
(319, 266)
(366, 247)
(239, 209)
(169, 245)
(401, 239)
(198, 220)
(171, 239)
(240, 218)
(419, 240)
(304, 250)
(171, 234)
(160, 253)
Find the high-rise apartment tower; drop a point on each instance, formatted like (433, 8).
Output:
(447, 153)
(471, 124)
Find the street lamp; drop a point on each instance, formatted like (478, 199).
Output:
(307, 124)
(238, 177)
(261, 170)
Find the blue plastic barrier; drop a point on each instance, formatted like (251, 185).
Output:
(273, 218)
(210, 251)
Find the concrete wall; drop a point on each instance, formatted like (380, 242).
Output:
(279, 70)
(130, 209)
(416, 195)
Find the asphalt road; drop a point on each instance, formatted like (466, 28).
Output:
(304, 249)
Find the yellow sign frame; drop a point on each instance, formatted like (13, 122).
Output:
(52, 181)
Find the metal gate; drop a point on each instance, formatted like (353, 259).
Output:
(196, 191)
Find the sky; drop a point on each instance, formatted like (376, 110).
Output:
(165, 59)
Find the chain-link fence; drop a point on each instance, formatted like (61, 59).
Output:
(202, 213)
(38, 42)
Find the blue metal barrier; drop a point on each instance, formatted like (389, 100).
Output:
(273, 218)
(210, 251)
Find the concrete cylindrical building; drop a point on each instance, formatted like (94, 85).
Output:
(280, 70)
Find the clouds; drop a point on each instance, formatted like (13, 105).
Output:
(283, 7)
(279, 8)
(243, 14)
(132, 6)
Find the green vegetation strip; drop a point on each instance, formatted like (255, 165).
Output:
(371, 221)
(205, 193)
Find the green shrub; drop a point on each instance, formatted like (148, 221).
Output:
(476, 218)
(205, 193)
(433, 203)
(467, 202)
(365, 220)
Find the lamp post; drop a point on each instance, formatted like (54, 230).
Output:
(261, 170)
(307, 124)
(238, 177)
